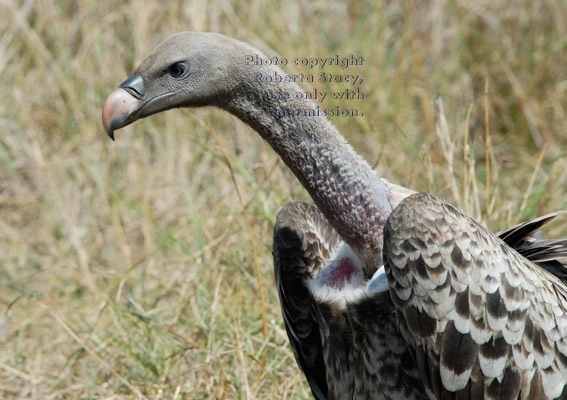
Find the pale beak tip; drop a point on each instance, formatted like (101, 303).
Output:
(118, 106)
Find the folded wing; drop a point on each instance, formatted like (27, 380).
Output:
(484, 321)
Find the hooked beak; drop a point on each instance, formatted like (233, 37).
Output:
(122, 105)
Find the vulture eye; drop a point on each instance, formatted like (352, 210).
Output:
(176, 70)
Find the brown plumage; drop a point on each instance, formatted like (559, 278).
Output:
(345, 341)
(384, 293)
(361, 332)
(483, 320)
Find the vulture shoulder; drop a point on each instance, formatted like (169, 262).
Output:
(484, 321)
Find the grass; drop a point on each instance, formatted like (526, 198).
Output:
(127, 268)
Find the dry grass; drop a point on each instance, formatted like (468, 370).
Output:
(126, 269)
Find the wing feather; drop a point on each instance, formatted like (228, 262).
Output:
(497, 325)
(527, 239)
(303, 240)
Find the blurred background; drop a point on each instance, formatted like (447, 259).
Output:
(127, 268)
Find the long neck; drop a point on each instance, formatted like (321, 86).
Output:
(352, 197)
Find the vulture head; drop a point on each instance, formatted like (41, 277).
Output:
(188, 69)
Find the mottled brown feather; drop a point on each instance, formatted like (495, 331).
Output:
(507, 332)
(346, 349)
(302, 242)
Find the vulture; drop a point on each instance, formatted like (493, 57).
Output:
(385, 293)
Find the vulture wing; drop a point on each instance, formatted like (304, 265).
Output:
(303, 242)
(484, 321)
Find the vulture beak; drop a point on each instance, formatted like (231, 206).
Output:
(122, 105)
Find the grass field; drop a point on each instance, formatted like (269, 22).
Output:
(127, 268)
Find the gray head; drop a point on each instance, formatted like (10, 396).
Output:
(188, 69)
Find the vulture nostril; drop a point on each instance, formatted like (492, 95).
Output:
(135, 86)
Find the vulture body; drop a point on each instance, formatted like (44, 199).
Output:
(403, 342)
(385, 294)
